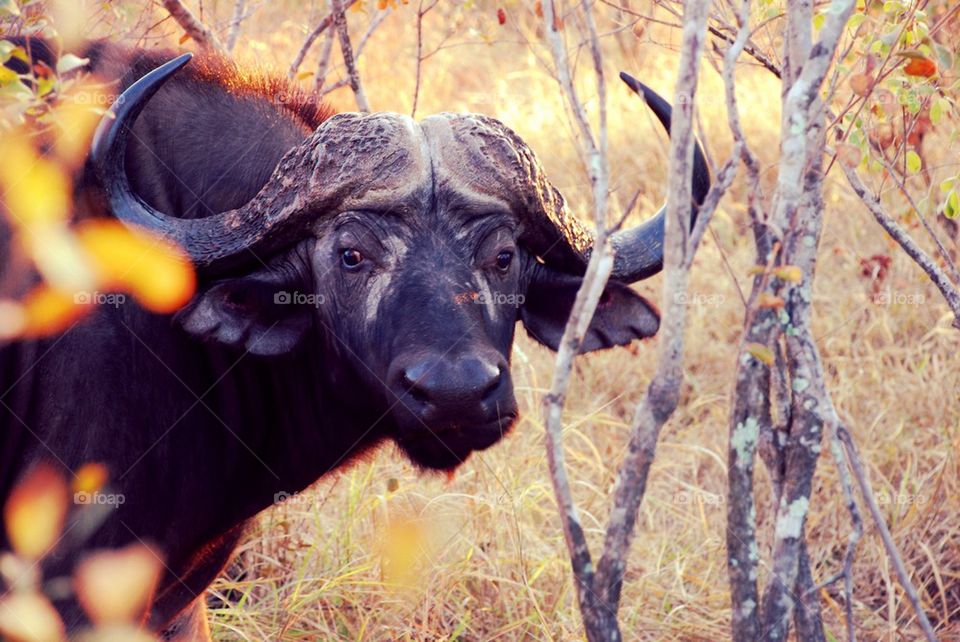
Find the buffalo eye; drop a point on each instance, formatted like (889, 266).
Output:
(351, 258)
(504, 259)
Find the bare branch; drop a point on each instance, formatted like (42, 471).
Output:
(799, 212)
(944, 255)
(236, 20)
(663, 393)
(853, 457)
(323, 63)
(340, 24)
(198, 32)
(750, 416)
(846, 573)
(340, 84)
(599, 619)
(312, 37)
(421, 12)
(903, 238)
(552, 32)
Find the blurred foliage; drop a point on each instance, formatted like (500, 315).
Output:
(901, 77)
(47, 118)
(112, 586)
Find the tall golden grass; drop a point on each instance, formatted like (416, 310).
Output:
(380, 551)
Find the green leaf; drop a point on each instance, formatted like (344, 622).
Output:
(913, 162)
(760, 352)
(856, 20)
(937, 109)
(947, 185)
(69, 62)
(951, 208)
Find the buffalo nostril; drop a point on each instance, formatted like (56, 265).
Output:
(415, 381)
(490, 388)
(414, 388)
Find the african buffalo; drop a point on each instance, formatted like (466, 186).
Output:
(360, 281)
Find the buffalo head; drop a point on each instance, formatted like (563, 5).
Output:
(411, 249)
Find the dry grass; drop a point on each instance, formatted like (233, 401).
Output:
(490, 562)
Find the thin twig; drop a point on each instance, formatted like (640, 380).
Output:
(903, 238)
(200, 33)
(853, 457)
(323, 63)
(750, 416)
(312, 37)
(901, 185)
(599, 620)
(663, 393)
(235, 21)
(846, 573)
(421, 12)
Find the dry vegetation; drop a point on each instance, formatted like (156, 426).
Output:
(381, 552)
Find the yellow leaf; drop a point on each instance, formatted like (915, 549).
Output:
(35, 511)
(769, 301)
(791, 273)
(914, 162)
(761, 353)
(49, 310)
(89, 478)
(159, 274)
(36, 190)
(76, 117)
(115, 586)
(29, 617)
(402, 552)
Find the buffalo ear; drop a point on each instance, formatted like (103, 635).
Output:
(248, 313)
(621, 317)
